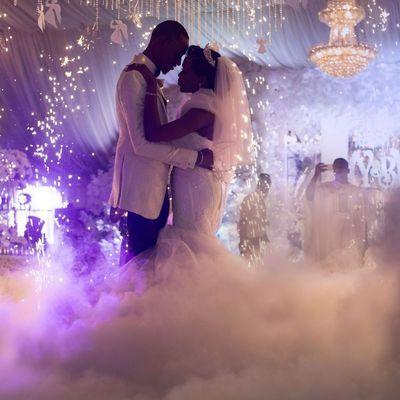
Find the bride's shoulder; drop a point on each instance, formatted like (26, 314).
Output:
(203, 98)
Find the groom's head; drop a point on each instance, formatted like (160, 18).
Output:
(168, 44)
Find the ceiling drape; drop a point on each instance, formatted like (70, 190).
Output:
(32, 76)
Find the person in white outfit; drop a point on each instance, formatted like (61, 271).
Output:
(141, 168)
(216, 117)
(336, 223)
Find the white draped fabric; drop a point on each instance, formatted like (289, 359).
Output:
(92, 128)
(301, 28)
(26, 79)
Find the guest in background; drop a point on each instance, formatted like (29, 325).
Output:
(336, 220)
(253, 222)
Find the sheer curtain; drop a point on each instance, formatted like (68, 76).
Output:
(300, 30)
(32, 70)
(35, 57)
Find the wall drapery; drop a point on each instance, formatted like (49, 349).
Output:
(34, 72)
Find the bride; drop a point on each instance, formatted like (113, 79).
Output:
(216, 117)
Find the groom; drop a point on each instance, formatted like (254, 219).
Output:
(141, 168)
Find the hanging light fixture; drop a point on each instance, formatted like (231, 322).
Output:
(343, 56)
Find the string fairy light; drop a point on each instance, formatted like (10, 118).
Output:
(5, 37)
(231, 16)
(199, 22)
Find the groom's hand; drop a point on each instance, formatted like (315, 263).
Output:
(205, 159)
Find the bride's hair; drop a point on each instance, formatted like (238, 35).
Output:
(201, 66)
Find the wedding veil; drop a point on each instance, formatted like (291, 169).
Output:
(233, 136)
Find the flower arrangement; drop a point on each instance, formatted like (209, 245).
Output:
(15, 167)
(88, 230)
(10, 242)
(98, 191)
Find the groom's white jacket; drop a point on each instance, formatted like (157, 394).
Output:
(141, 168)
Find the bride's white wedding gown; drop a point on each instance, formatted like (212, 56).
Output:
(198, 195)
(198, 201)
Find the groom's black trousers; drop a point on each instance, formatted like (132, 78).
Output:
(143, 232)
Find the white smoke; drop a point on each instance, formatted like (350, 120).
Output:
(209, 328)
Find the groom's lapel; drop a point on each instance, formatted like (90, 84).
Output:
(160, 83)
(162, 98)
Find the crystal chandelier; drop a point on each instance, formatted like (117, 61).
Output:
(343, 56)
